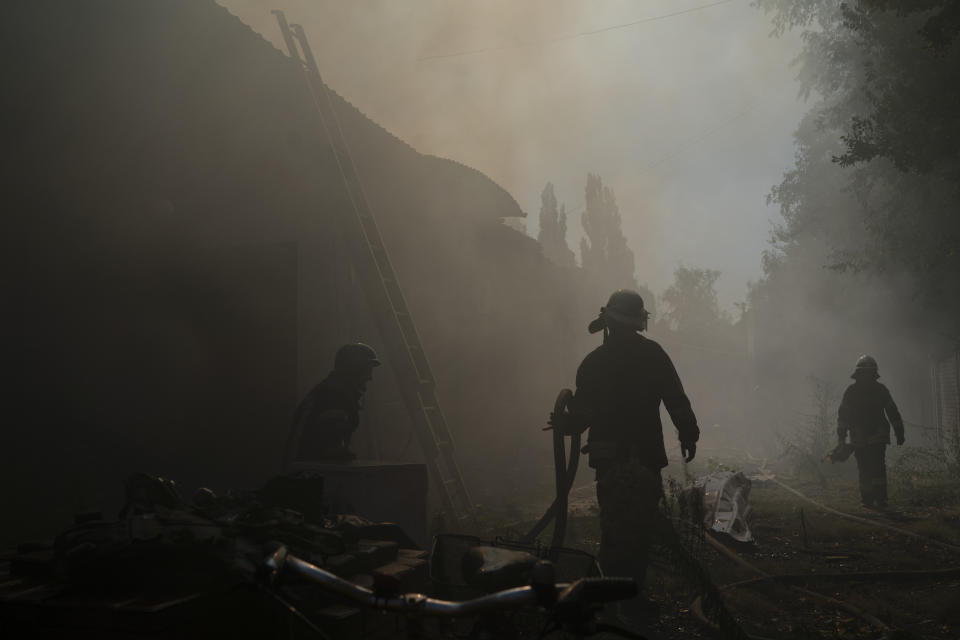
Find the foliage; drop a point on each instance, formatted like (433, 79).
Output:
(926, 477)
(683, 504)
(877, 171)
(553, 229)
(926, 466)
(604, 251)
(690, 303)
(807, 445)
(867, 251)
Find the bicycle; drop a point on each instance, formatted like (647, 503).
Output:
(569, 607)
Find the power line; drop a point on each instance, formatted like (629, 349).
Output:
(581, 34)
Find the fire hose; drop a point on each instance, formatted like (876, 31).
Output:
(793, 581)
(565, 471)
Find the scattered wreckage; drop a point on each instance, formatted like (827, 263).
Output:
(726, 503)
(169, 567)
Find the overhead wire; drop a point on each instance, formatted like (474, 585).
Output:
(693, 141)
(678, 149)
(581, 34)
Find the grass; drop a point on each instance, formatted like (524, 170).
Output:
(923, 501)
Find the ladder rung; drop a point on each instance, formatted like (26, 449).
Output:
(369, 246)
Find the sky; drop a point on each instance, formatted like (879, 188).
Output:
(685, 108)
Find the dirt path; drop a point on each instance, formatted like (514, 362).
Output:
(910, 583)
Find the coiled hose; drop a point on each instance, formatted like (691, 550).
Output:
(565, 470)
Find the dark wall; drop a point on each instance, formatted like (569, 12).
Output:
(179, 367)
(153, 171)
(175, 275)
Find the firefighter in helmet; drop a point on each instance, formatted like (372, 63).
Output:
(329, 414)
(866, 413)
(620, 386)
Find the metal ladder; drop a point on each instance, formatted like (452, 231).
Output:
(382, 289)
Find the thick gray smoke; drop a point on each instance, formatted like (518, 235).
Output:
(687, 112)
(182, 277)
(688, 117)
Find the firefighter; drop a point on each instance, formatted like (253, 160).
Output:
(620, 386)
(329, 414)
(866, 413)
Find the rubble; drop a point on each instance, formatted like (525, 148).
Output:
(174, 564)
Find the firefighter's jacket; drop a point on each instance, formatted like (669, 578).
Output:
(864, 413)
(326, 419)
(620, 386)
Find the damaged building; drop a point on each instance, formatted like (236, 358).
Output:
(181, 279)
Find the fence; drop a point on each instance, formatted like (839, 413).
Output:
(946, 388)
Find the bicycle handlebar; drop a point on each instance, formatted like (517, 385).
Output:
(585, 591)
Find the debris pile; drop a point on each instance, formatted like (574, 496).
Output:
(163, 556)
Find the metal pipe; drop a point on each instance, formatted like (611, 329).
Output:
(411, 603)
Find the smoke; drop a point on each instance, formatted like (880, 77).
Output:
(185, 281)
(688, 118)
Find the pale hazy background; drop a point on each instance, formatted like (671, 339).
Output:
(687, 113)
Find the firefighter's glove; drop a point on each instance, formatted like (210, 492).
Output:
(900, 440)
(689, 450)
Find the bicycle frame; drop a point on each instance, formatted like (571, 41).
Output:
(408, 603)
(569, 604)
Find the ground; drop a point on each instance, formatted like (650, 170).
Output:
(797, 538)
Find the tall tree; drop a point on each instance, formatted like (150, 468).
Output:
(877, 177)
(869, 211)
(553, 229)
(690, 303)
(603, 251)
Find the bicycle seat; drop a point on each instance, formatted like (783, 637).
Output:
(495, 568)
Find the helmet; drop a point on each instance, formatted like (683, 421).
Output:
(355, 357)
(624, 307)
(866, 367)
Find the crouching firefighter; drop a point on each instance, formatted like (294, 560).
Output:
(620, 386)
(864, 413)
(329, 414)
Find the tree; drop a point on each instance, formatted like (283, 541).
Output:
(553, 229)
(604, 251)
(690, 303)
(869, 205)
(877, 177)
